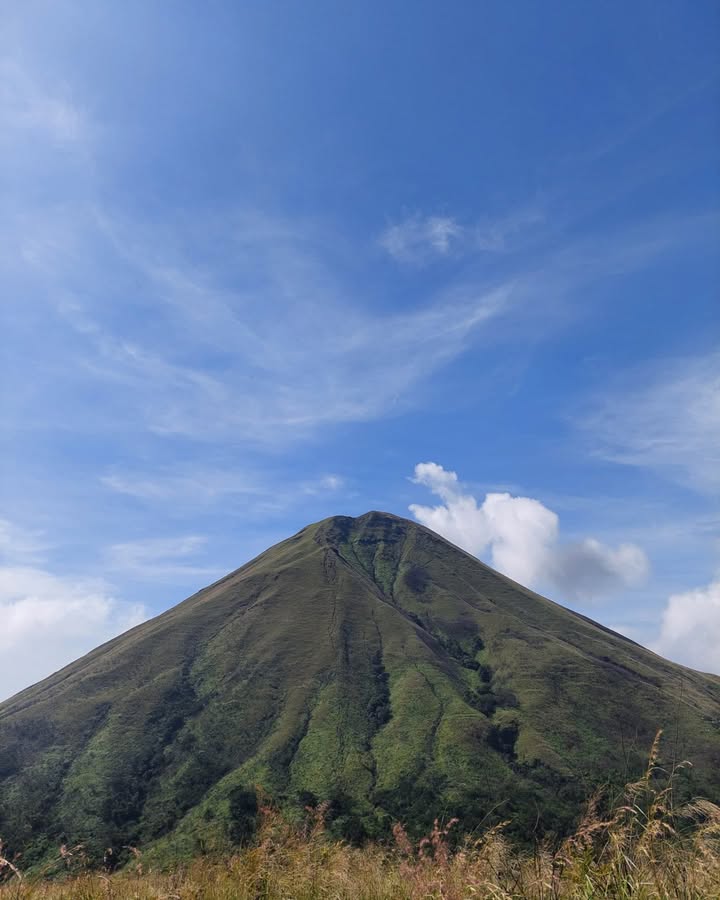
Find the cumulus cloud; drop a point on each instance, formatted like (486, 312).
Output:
(690, 629)
(47, 621)
(521, 537)
(518, 531)
(589, 567)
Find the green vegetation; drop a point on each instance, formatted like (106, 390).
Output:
(364, 665)
(648, 846)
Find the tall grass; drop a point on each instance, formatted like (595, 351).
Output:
(647, 847)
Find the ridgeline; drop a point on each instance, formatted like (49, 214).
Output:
(365, 662)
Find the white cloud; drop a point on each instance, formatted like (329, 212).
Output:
(522, 537)
(419, 238)
(197, 487)
(690, 631)
(47, 621)
(264, 375)
(154, 558)
(326, 484)
(669, 420)
(519, 531)
(267, 346)
(20, 544)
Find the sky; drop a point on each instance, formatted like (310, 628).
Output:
(265, 263)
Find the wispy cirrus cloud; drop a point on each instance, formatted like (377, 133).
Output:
(521, 537)
(197, 485)
(179, 348)
(241, 325)
(18, 544)
(196, 488)
(420, 239)
(197, 358)
(665, 418)
(31, 109)
(161, 558)
(500, 235)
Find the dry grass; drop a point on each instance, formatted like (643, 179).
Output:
(647, 848)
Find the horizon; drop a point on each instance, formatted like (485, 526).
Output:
(458, 263)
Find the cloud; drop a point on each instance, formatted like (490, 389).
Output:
(522, 537)
(498, 236)
(669, 420)
(589, 567)
(197, 359)
(20, 544)
(163, 558)
(198, 487)
(325, 484)
(27, 108)
(47, 621)
(690, 630)
(518, 530)
(422, 239)
(418, 239)
(241, 326)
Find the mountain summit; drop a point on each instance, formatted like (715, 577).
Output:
(365, 661)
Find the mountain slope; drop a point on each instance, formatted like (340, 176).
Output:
(365, 661)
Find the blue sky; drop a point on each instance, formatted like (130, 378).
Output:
(266, 263)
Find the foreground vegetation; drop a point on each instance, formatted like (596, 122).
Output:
(647, 847)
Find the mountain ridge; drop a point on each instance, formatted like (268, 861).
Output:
(365, 661)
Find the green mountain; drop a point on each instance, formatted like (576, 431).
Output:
(367, 662)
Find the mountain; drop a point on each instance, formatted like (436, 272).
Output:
(364, 661)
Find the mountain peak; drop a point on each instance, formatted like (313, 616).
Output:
(372, 518)
(365, 661)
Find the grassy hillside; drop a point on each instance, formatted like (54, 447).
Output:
(647, 846)
(364, 662)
